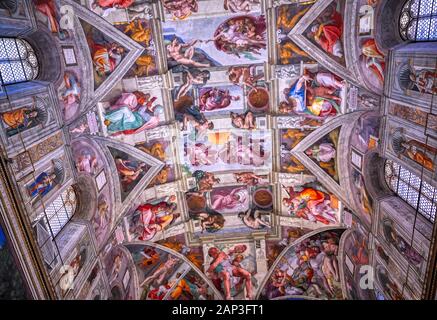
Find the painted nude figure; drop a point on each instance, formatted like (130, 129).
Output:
(239, 5)
(248, 178)
(252, 219)
(240, 75)
(180, 9)
(162, 271)
(183, 53)
(192, 78)
(243, 121)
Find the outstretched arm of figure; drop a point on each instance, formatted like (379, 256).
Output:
(300, 83)
(217, 202)
(186, 86)
(217, 261)
(190, 44)
(215, 38)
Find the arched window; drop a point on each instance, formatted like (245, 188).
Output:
(50, 222)
(417, 193)
(418, 20)
(60, 211)
(18, 62)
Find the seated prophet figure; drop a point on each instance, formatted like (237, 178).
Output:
(20, 119)
(226, 272)
(155, 217)
(317, 101)
(132, 113)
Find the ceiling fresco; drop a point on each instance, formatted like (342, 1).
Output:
(214, 142)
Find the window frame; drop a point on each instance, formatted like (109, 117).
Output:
(23, 58)
(406, 13)
(412, 191)
(42, 218)
(58, 207)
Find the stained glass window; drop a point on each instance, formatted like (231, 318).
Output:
(418, 20)
(18, 62)
(417, 193)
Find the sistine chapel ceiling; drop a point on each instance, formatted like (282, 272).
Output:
(209, 149)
